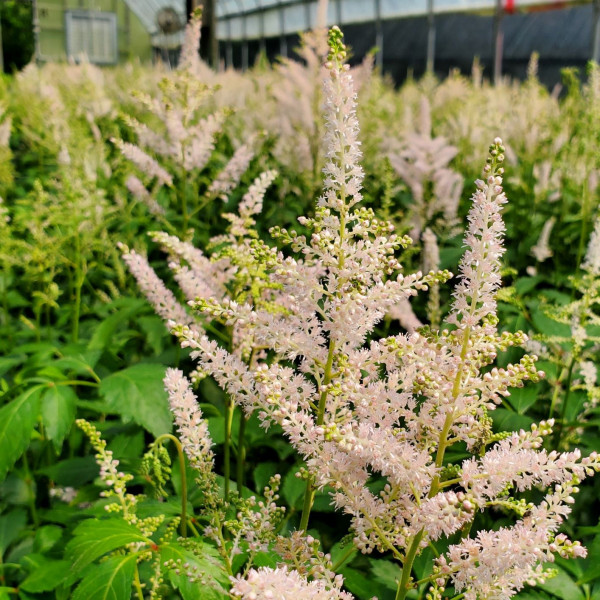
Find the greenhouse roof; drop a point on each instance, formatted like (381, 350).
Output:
(270, 18)
(146, 11)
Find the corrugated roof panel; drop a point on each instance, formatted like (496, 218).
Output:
(146, 11)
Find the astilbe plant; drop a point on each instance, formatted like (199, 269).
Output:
(422, 162)
(363, 411)
(175, 149)
(575, 391)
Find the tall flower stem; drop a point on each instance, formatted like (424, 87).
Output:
(181, 457)
(227, 448)
(78, 284)
(137, 583)
(404, 584)
(241, 453)
(309, 493)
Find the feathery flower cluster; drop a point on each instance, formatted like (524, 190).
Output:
(355, 407)
(145, 163)
(271, 584)
(541, 250)
(230, 176)
(182, 145)
(191, 425)
(115, 480)
(162, 299)
(189, 58)
(422, 163)
(591, 262)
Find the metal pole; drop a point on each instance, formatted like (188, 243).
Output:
(596, 33)
(229, 48)
(244, 44)
(307, 14)
(498, 42)
(242, 13)
(282, 38)
(430, 37)
(37, 54)
(321, 14)
(378, 36)
(261, 27)
(209, 44)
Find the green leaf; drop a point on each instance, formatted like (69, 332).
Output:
(17, 420)
(46, 537)
(209, 564)
(137, 394)
(94, 538)
(293, 488)
(45, 574)
(11, 524)
(8, 362)
(58, 412)
(104, 332)
(524, 285)
(562, 586)
(111, 580)
(505, 420)
(523, 398)
(262, 473)
(361, 585)
(156, 332)
(72, 472)
(387, 573)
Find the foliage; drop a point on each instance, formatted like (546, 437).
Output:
(200, 500)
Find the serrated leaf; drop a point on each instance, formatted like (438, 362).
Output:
(386, 572)
(104, 332)
(11, 524)
(293, 488)
(505, 420)
(73, 472)
(137, 394)
(111, 580)
(45, 574)
(17, 420)
(58, 407)
(156, 332)
(523, 398)
(46, 537)
(562, 586)
(94, 538)
(209, 565)
(361, 585)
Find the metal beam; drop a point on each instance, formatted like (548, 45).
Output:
(430, 37)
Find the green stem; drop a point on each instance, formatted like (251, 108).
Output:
(181, 457)
(76, 382)
(563, 412)
(137, 583)
(194, 528)
(78, 285)
(404, 584)
(30, 494)
(583, 231)
(340, 561)
(227, 449)
(309, 494)
(241, 453)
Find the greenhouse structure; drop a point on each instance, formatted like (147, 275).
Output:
(108, 31)
(412, 36)
(409, 36)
